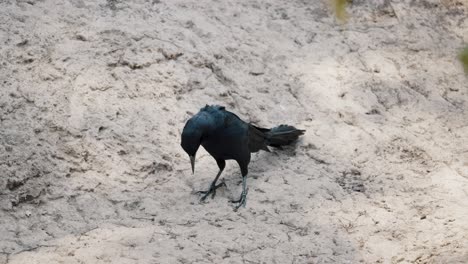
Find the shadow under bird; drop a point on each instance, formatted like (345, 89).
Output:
(226, 137)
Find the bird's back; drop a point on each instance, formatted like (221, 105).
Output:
(227, 137)
(231, 135)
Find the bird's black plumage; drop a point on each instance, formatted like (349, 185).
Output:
(225, 136)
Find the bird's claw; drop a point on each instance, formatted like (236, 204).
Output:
(211, 191)
(241, 202)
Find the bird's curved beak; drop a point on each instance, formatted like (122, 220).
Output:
(192, 161)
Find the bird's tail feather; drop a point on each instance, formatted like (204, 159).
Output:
(282, 135)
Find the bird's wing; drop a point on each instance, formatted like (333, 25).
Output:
(256, 135)
(257, 138)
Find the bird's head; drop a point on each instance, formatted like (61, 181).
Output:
(191, 140)
(197, 128)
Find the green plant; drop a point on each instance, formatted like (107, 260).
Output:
(340, 9)
(463, 57)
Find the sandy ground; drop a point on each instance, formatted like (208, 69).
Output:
(94, 95)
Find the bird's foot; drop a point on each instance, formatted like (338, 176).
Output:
(242, 201)
(211, 191)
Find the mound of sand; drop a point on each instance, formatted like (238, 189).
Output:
(95, 93)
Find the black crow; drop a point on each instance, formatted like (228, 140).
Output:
(225, 136)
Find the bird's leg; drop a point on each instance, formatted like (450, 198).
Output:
(213, 186)
(243, 198)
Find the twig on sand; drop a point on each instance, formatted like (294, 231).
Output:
(163, 40)
(394, 12)
(31, 249)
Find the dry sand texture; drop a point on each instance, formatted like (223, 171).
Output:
(94, 95)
